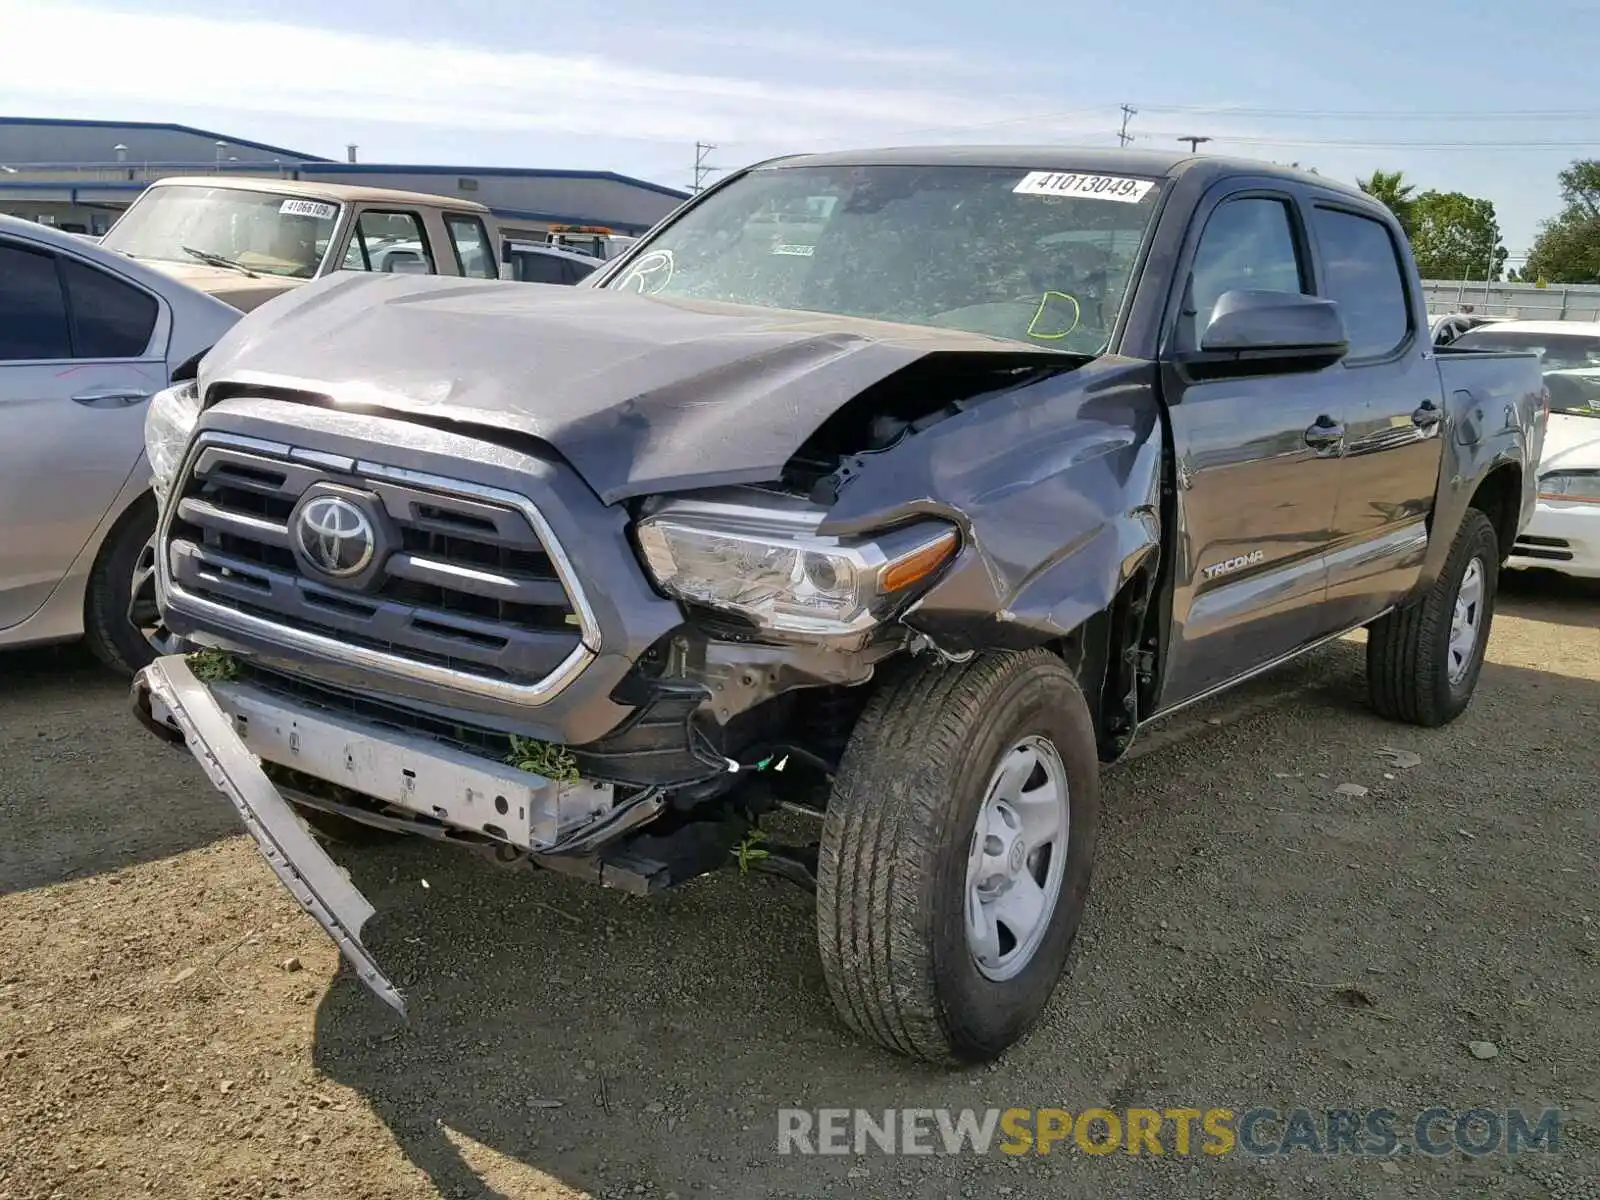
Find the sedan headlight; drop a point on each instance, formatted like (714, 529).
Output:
(766, 562)
(1571, 485)
(167, 425)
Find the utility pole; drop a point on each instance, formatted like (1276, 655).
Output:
(1123, 136)
(1194, 142)
(701, 167)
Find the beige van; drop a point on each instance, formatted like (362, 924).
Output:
(246, 240)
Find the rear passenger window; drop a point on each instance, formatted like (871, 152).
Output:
(542, 268)
(111, 319)
(1248, 244)
(33, 312)
(471, 243)
(1363, 277)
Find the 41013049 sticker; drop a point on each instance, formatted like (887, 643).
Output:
(1120, 188)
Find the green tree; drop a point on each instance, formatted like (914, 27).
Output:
(1391, 189)
(1567, 249)
(1456, 236)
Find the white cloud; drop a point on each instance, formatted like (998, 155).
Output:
(116, 59)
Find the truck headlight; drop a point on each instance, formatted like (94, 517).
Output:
(766, 562)
(168, 423)
(1570, 485)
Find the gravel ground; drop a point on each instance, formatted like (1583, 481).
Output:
(172, 1025)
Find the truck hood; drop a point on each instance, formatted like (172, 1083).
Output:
(230, 287)
(640, 394)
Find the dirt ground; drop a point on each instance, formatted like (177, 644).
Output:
(171, 1025)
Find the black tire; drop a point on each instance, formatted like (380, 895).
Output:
(1408, 651)
(892, 872)
(108, 629)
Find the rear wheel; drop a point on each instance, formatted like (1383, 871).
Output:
(122, 625)
(1423, 660)
(956, 855)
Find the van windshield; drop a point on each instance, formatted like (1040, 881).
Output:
(265, 232)
(1040, 257)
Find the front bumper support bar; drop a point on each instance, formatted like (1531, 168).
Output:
(294, 855)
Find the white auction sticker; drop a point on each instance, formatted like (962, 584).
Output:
(309, 208)
(1095, 187)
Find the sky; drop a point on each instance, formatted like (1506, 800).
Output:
(1488, 99)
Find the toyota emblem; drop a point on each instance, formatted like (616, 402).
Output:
(336, 536)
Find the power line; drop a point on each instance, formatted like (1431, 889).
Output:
(1530, 114)
(1380, 144)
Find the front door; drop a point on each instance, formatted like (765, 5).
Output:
(78, 358)
(1258, 461)
(1393, 449)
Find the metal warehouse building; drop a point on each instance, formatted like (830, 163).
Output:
(79, 175)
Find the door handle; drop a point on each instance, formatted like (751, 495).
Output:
(1326, 434)
(1425, 414)
(111, 397)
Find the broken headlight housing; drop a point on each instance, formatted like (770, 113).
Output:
(760, 556)
(168, 422)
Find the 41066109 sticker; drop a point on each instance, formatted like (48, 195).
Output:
(1093, 187)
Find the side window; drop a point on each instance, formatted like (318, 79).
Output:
(541, 268)
(579, 271)
(1362, 269)
(111, 319)
(1248, 243)
(471, 243)
(390, 242)
(33, 311)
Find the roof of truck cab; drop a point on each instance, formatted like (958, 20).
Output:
(333, 192)
(1149, 164)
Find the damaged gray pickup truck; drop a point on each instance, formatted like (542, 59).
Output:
(902, 488)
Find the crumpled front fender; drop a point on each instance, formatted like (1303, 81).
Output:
(1056, 488)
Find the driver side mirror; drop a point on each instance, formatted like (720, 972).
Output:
(1264, 331)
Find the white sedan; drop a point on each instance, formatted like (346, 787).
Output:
(87, 337)
(1564, 534)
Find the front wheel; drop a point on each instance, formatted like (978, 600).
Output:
(956, 855)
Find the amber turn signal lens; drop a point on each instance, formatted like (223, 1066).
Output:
(917, 565)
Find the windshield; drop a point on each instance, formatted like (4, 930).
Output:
(1571, 363)
(1040, 257)
(264, 232)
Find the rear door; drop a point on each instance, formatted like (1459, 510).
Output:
(1257, 456)
(390, 241)
(469, 242)
(81, 350)
(1392, 429)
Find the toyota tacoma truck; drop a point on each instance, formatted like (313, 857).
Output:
(900, 488)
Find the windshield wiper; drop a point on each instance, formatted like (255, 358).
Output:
(216, 260)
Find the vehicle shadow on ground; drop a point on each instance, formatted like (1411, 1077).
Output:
(105, 822)
(629, 1046)
(1549, 597)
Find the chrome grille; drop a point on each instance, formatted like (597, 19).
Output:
(464, 584)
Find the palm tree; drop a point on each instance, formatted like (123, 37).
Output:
(1390, 188)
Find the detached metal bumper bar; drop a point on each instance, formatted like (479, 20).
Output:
(295, 857)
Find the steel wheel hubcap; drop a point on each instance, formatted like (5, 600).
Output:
(1466, 621)
(1017, 859)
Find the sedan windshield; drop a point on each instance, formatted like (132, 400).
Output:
(1571, 363)
(1040, 257)
(262, 232)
